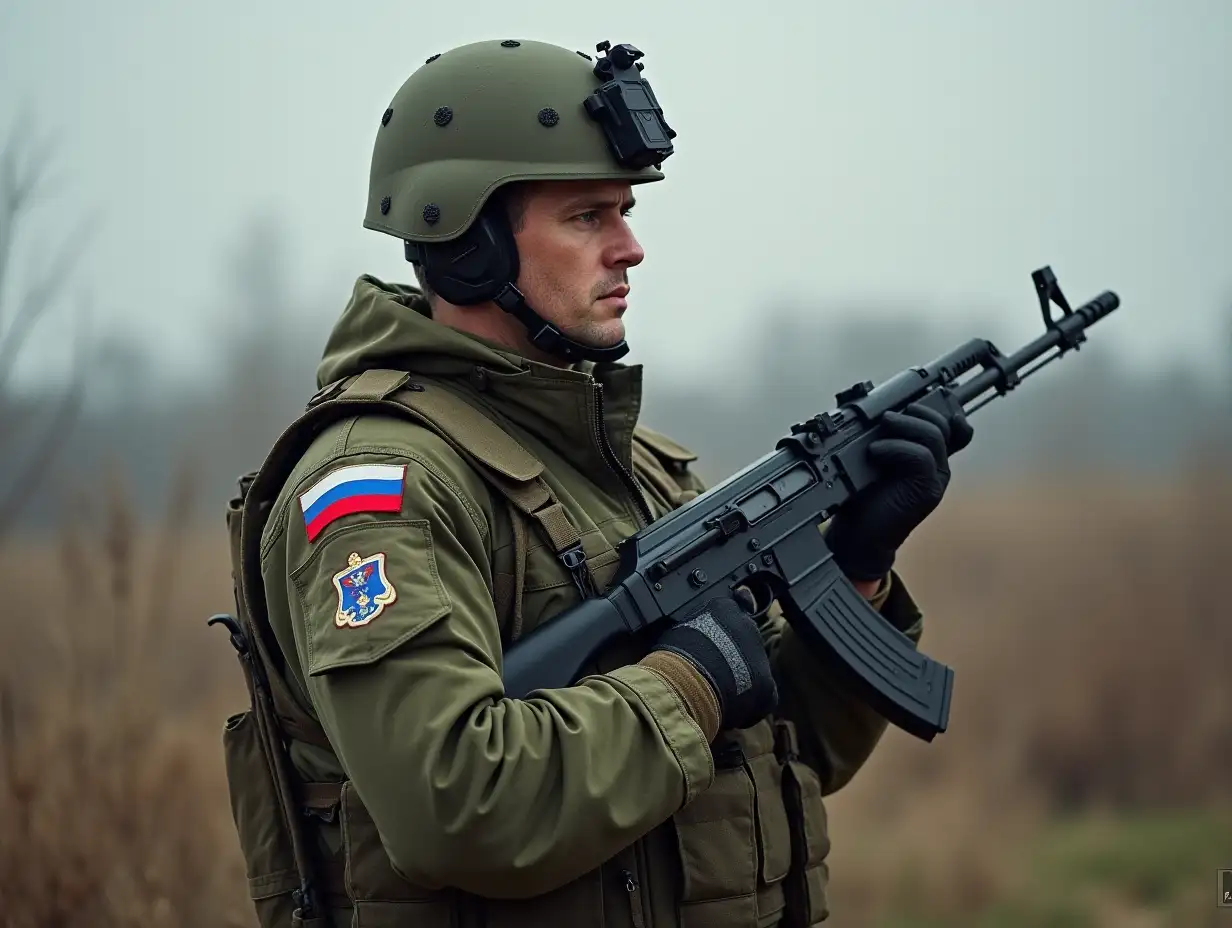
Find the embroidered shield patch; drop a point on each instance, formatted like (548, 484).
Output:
(363, 590)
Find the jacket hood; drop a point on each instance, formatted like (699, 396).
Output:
(390, 326)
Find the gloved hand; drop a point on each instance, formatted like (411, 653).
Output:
(719, 647)
(914, 471)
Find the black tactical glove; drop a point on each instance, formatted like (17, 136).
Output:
(914, 470)
(721, 640)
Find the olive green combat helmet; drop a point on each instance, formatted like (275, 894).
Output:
(491, 113)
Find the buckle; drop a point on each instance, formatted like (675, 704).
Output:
(327, 392)
(786, 747)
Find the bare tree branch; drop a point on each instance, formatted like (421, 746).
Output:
(38, 465)
(21, 177)
(25, 169)
(38, 300)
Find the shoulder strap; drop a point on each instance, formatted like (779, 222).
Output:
(498, 457)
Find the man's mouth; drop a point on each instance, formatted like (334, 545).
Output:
(619, 293)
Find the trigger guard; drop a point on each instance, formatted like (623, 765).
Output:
(762, 594)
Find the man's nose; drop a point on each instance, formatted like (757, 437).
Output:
(626, 250)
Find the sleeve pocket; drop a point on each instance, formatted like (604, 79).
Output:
(367, 589)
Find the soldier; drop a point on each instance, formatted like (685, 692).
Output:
(462, 476)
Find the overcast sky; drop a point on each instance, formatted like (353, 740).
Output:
(927, 156)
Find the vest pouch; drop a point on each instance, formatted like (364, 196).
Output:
(734, 839)
(579, 902)
(806, 885)
(269, 861)
(380, 896)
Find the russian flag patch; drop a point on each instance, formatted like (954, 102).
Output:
(351, 489)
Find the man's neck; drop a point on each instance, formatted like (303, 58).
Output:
(491, 323)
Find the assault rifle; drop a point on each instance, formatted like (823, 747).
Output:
(761, 528)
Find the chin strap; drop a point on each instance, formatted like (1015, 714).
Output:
(546, 337)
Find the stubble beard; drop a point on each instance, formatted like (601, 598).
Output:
(605, 333)
(595, 334)
(582, 327)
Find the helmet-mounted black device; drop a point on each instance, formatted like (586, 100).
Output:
(625, 106)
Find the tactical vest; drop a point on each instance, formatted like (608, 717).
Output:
(750, 850)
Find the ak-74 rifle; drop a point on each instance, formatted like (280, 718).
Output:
(761, 527)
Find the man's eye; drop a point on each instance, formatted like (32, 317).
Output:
(592, 215)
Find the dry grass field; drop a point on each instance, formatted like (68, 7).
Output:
(1084, 779)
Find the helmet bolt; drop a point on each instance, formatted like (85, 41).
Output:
(442, 116)
(432, 58)
(384, 205)
(548, 117)
(510, 43)
(389, 113)
(431, 213)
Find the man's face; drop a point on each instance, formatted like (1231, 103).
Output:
(575, 248)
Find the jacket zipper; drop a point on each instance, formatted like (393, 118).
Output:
(613, 462)
(635, 898)
(632, 887)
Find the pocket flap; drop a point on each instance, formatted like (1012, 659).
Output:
(367, 589)
(773, 827)
(664, 448)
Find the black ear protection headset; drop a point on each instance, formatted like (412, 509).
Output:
(482, 263)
